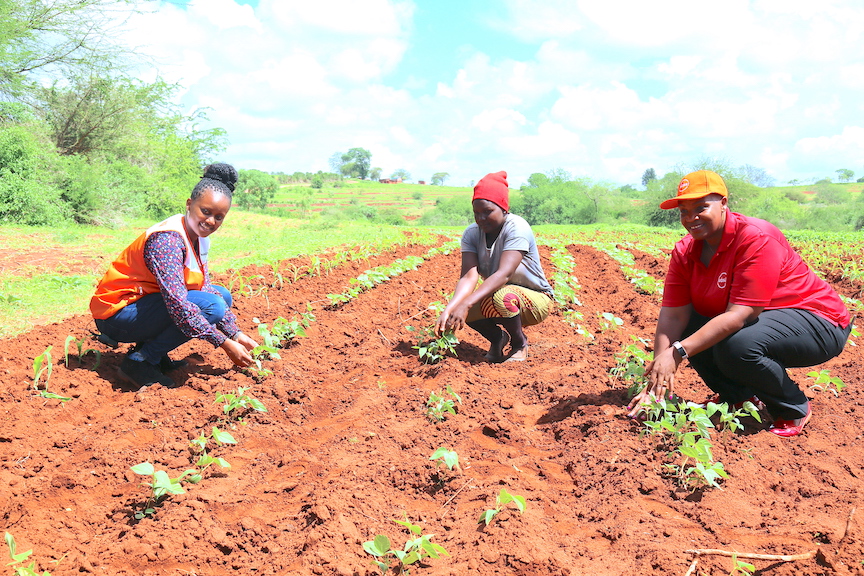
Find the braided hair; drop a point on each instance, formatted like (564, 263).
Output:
(218, 177)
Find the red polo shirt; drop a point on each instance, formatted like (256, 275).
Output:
(753, 266)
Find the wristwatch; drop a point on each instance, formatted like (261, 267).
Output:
(680, 349)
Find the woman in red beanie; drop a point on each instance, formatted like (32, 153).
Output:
(741, 305)
(499, 248)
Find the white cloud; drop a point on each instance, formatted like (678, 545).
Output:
(603, 89)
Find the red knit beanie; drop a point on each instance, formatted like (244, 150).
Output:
(493, 187)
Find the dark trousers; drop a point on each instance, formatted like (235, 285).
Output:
(147, 322)
(753, 361)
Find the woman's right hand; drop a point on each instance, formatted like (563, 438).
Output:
(451, 319)
(660, 374)
(237, 352)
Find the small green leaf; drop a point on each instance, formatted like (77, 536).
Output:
(145, 469)
(379, 546)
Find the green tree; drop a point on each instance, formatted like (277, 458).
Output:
(355, 163)
(64, 35)
(648, 176)
(375, 174)
(439, 178)
(756, 176)
(94, 112)
(255, 189)
(401, 173)
(27, 195)
(845, 175)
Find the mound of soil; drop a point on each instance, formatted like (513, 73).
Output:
(344, 450)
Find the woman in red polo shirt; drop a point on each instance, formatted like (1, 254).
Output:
(742, 306)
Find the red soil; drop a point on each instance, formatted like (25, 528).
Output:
(344, 450)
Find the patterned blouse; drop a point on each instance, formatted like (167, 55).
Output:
(164, 254)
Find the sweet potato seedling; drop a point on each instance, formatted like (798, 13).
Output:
(239, 402)
(501, 501)
(160, 486)
(431, 348)
(449, 457)
(438, 404)
(415, 549)
(824, 382)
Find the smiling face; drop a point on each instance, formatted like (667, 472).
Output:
(488, 216)
(704, 218)
(205, 214)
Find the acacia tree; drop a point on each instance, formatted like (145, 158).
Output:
(58, 34)
(845, 175)
(439, 177)
(402, 174)
(355, 163)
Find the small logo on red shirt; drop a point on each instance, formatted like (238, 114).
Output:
(683, 185)
(721, 280)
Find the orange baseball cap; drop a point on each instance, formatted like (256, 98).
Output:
(697, 185)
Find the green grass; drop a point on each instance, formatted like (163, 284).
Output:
(411, 199)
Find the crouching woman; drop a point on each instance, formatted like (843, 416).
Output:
(158, 293)
(499, 248)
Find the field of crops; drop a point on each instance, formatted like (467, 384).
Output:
(411, 200)
(360, 439)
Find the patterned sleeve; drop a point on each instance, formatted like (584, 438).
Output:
(164, 253)
(228, 324)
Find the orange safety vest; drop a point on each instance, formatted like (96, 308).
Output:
(128, 278)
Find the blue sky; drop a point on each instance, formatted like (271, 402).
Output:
(600, 88)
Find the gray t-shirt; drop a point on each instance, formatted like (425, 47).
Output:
(516, 234)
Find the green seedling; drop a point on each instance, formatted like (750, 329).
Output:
(79, 343)
(630, 366)
(19, 558)
(259, 354)
(438, 404)
(609, 321)
(449, 457)
(729, 420)
(239, 402)
(824, 382)
(42, 367)
(431, 348)
(740, 567)
(501, 501)
(161, 485)
(415, 549)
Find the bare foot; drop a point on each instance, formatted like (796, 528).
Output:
(519, 355)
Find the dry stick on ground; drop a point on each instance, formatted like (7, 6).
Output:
(749, 556)
(456, 494)
(692, 566)
(846, 529)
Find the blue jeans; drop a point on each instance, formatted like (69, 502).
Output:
(147, 322)
(753, 361)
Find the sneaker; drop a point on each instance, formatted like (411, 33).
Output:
(737, 406)
(166, 364)
(142, 374)
(788, 428)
